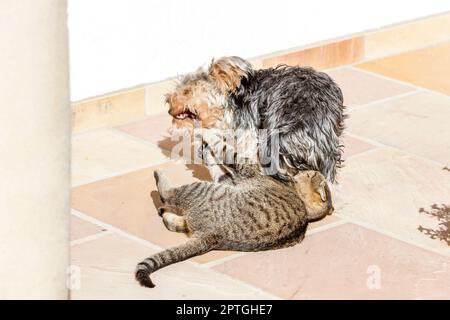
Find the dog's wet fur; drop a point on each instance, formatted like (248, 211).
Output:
(304, 106)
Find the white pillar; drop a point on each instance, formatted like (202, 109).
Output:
(34, 149)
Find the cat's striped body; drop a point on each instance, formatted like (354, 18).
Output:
(246, 211)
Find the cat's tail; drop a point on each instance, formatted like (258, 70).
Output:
(193, 247)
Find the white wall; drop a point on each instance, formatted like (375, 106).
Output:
(116, 44)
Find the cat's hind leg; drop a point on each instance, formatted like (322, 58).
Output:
(174, 222)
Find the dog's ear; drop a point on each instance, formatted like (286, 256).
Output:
(228, 72)
(167, 97)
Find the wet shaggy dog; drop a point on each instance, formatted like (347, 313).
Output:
(299, 106)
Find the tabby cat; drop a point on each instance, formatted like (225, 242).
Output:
(244, 211)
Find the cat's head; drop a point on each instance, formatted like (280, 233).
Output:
(313, 189)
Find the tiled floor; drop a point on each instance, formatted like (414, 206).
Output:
(375, 246)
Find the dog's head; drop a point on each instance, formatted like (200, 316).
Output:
(200, 97)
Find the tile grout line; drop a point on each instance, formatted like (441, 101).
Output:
(400, 52)
(326, 227)
(85, 132)
(122, 172)
(382, 145)
(95, 236)
(382, 76)
(220, 261)
(119, 173)
(114, 230)
(243, 283)
(239, 254)
(278, 53)
(393, 235)
(337, 68)
(118, 231)
(384, 100)
(124, 134)
(364, 139)
(357, 155)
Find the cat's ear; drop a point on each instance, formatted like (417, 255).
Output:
(321, 190)
(228, 72)
(312, 186)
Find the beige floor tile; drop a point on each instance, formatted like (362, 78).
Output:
(155, 129)
(81, 229)
(386, 188)
(360, 88)
(346, 262)
(427, 68)
(354, 146)
(104, 152)
(107, 265)
(419, 123)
